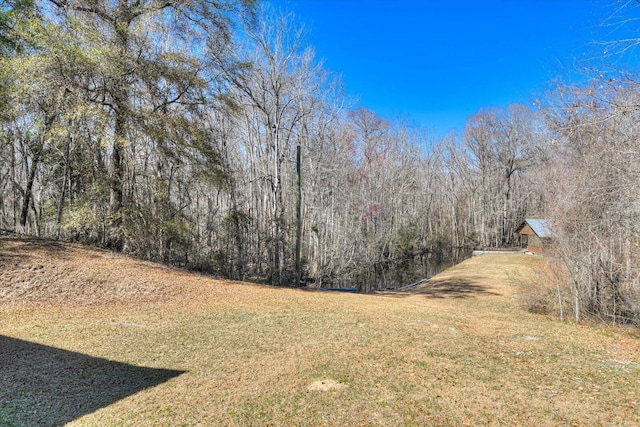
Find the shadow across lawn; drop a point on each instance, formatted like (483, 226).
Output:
(28, 243)
(447, 288)
(48, 386)
(453, 288)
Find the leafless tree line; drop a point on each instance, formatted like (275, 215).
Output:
(594, 202)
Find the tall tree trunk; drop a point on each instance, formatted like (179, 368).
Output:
(64, 186)
(116, 240)
(28, 191)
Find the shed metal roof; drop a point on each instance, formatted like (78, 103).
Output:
(541, 227)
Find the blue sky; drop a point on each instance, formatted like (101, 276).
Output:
(440, 61)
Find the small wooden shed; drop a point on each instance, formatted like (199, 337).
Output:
(536, 235)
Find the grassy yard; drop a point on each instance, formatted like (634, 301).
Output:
(127, 342)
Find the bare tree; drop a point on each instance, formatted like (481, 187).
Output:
(501, 143)
(596, 206)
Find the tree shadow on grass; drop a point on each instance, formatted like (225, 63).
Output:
(47, 386)
(447, 288)
(25, 245)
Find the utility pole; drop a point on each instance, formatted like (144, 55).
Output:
(298, 214)
(277, 262)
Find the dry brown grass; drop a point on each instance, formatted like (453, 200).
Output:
(458, 350)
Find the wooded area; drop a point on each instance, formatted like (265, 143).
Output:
(170, 130)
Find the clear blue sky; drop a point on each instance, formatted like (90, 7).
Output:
(440, 61)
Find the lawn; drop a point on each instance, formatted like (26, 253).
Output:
(126, 342)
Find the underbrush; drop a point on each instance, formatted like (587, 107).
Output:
(544, 289)
(551, 290)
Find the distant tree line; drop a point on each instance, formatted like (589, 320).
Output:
(170, 130)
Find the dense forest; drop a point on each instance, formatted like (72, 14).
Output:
(206, 134)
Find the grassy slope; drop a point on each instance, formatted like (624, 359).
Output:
(456, 351)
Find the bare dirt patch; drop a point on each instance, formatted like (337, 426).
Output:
(326, 385)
